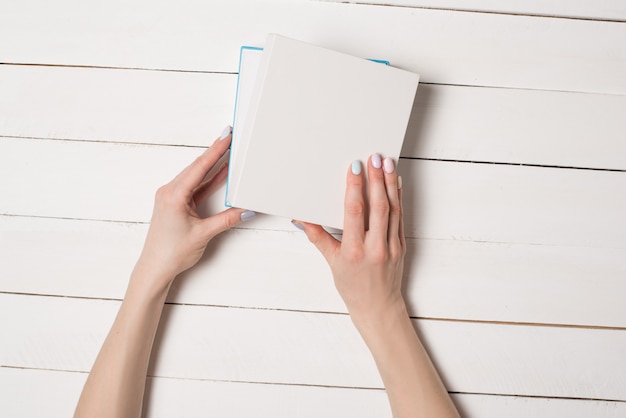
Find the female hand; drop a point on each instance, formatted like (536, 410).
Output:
(177, 236)
(367, 264)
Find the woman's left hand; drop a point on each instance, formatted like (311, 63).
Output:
(178, 236)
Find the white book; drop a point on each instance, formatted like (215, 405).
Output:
(303, 113)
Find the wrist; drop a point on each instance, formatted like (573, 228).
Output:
(151, 279)
(382, 321)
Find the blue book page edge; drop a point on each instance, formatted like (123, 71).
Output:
(241, 50)
(380, 61)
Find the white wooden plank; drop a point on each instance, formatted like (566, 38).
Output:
(252, 345)
(495, 50)
(521, 407)
(482, 202)
(74, 258)
(115, 105)
(99, 180)
(443, 200)
(172, 397)
(57, 393)
(38, 393)
(448, 122)
(282, 270)
(517, 126)
(581, 9)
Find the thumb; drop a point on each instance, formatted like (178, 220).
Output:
(225, 220)
(323, 241)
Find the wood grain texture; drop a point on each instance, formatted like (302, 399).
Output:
(536, 205)
(57, 394)
(282, 270)
(580, 9)
(517, 126)
(96, 104)
(193, 398)
(445, 200)
(448, 122)
(445, 47)
(252, 345)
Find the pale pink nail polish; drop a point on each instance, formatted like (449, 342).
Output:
(388, 165)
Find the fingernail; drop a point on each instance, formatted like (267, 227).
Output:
(399, 182)
(388, 165)
(376, 160)
(227, 130)
(247, 215)
(298, 225)
(356, 167)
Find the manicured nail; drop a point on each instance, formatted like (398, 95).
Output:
(388, 165)
(376, 162)
(356, 167)
(227, 130)
(399, 182)
(298, 225)
(247, 215)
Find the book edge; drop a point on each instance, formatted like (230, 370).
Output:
(230, 157)
(253, 105)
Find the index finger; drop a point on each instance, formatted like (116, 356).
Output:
(354, 206)
(194, 173)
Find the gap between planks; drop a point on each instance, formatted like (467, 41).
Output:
(105, 67)
(172, 378)
(335, 234)
(487, 12)
(445, 160)
(259, 308)
(517, 164)
(165, 70)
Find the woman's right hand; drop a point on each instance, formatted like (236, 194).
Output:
(367, 264)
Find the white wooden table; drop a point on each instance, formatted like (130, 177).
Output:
(515, 191)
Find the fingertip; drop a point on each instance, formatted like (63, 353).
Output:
(355, 176)
(375, 167)
(318, 236)
(354, 203)
(308, 228)
(226, 220)
(389, 166)
(298, 225)
(228, 130)
(247, 215)
(224, 138)
(376, 160)
(355, 168)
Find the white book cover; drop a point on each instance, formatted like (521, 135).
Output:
(303, 114)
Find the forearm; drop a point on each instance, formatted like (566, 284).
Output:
(176, 240)
(116, 383)
(412, 383)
